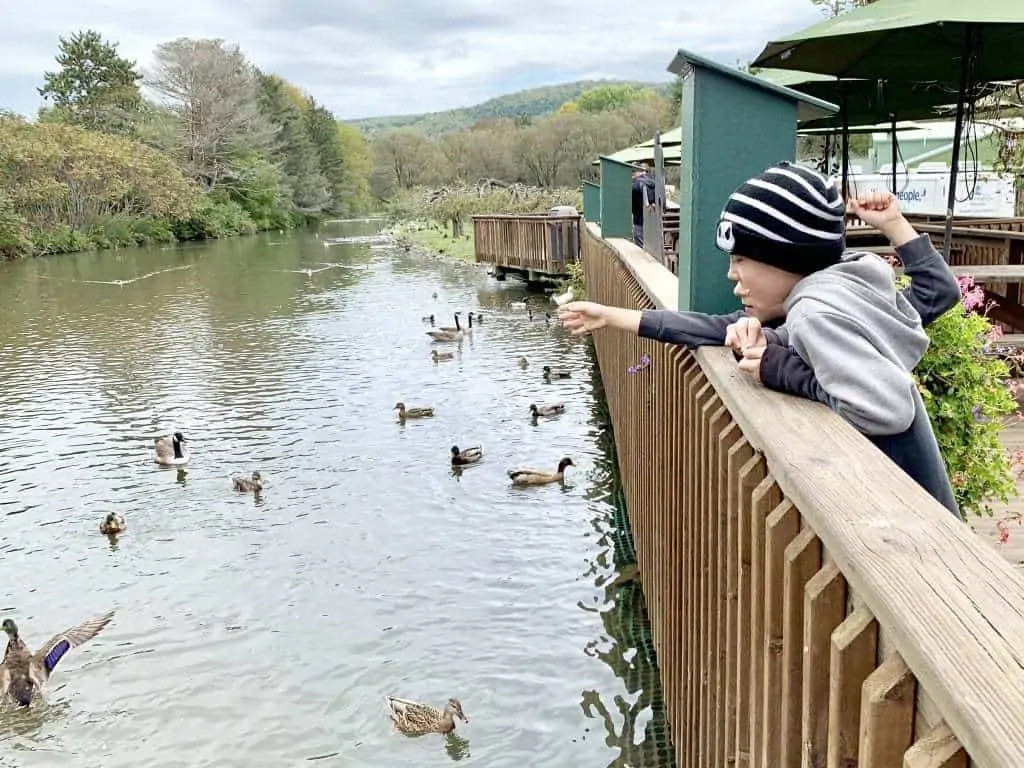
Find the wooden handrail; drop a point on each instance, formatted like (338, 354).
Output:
(810, 604)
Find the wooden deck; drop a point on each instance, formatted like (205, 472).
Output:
(988, 527)
(535, 246)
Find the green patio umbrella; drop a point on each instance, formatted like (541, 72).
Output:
(951, 43)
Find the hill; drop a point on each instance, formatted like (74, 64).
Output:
(532, 102)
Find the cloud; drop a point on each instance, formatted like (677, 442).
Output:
(397, 57)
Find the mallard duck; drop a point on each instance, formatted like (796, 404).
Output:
(428, 319)
(113, 524)
(523, 362)
(23, 673)
(537, 477)
(546, 410)
(547, 316)
(170, 450)
(468, 456)
(413, 413)
(434, 296)
(556, 373)
(415, 719)
(456, 335)
(247, 485)
(439, 357)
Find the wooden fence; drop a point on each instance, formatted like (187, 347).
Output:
(530, 243)
(812, 607)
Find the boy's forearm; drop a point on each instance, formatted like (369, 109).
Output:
(933, 289)
(624, 319)
(900, 232)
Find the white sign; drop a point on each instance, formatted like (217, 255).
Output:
(984, 193)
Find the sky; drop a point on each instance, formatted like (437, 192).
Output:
(387, 57)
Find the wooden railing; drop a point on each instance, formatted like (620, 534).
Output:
(532, 243)
(812, 607)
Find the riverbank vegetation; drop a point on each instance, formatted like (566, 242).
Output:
(227, 149)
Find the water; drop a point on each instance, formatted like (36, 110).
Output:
(268, 632)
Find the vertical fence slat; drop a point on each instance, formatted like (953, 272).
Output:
(824, 607)
(854, 646)
(887, 714)
(782, 526)
(802, 560)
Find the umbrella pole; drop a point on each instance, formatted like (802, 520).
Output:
(958, 134)
(895, 153)
(846, 142)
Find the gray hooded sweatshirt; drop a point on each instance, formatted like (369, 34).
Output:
(850, 340)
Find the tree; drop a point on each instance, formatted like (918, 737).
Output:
(94, 87)
(322, 129)
(405, 156)
(211, 90)
(293, 149)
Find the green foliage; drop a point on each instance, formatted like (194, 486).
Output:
(577, 281)
(216, 216)
(966, 394)
(519, 106)
(607, 98)
(14, 233)
(94, 87)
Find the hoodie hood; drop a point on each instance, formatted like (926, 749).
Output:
(862, 289)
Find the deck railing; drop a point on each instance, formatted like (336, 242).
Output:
(538, 243)
(812, 607)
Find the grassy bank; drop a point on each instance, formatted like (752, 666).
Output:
(434, 238)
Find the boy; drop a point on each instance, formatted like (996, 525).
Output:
(817, 322)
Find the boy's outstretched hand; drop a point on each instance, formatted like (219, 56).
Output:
(581, 317)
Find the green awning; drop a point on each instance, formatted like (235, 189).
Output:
(910, 41)
(645, 153)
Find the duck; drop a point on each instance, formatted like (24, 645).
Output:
(539, 477)
(113, 524)
(439, 357)
(530, 316)
(413, 413)
(170, 451)
(248, 485)
(519, 304)
(456, 335)
(468, 456)
(556, 373)
(23, 673)
(415, 719)
(428, 319)
(523, 362)
(546, 410)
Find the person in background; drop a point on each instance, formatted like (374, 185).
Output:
(643, 180)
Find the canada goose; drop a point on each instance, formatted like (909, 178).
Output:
(170, 450)
(456, 335)
(539, 477)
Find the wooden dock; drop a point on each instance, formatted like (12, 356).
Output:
(538, 247)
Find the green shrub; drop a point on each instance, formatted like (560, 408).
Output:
(966, 391)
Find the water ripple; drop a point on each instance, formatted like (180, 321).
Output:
(254, 632)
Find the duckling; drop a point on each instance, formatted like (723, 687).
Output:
(170, 451)
(23, 673)
(413, 413)
(539, 477)
(523, 362)
(248, 485)
(434, 296)
(456, 335)
(428, 319)
(468, 456)
(556, 373)
(440, 357)
(415, 719)
(546, 410)
(113, 524)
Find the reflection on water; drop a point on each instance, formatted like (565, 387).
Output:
(267, 631)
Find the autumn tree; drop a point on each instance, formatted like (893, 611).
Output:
(210, 89)
(404, 159)
(833, 8)
(94, 86)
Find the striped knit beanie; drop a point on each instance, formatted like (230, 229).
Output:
(789, 217)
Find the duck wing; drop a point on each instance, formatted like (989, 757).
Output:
(46, 658)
